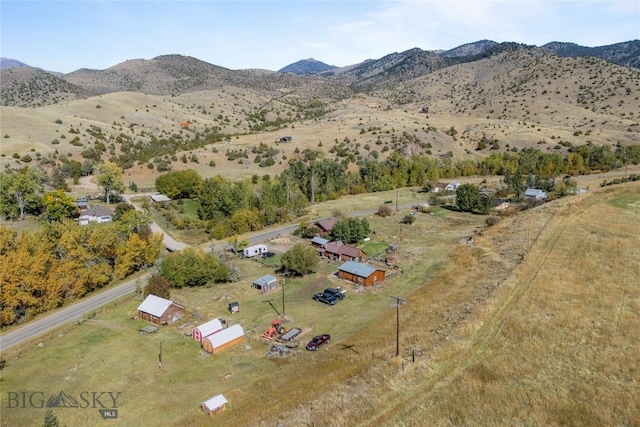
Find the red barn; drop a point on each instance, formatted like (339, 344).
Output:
(159, 310)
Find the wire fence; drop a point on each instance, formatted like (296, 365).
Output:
(16, 351)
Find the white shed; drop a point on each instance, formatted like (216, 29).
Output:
(199, 333)
(214, 405)
(224, 339)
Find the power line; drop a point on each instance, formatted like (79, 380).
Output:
(399, 302)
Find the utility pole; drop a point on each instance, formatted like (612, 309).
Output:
(283, 280)
(399, 302)
(397, 199)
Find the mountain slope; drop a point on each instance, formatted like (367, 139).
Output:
(306, 66)
(626, 53)
(6, 63)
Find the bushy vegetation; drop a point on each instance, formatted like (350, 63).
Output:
(60, 261)
(193, 267)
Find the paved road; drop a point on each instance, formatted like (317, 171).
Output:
(68, 314)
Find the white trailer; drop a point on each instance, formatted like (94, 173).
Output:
(255, 250)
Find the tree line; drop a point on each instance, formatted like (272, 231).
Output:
(231, 207)
(41, 270)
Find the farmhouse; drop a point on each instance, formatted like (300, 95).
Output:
(265, 284)
(159, 311)
(440, 187)
(326, 225)
(252, 251)
(214, 405)
(201, 332)
(95, 214)
(337, 250)
(501, 204)
(452, 187)
(224, 339)
(362, 274)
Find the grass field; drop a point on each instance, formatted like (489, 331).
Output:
(536, 323)
(107, 353)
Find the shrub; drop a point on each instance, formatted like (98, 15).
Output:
(158, 286)
(492, 220)
(408, 219)
(384, 211)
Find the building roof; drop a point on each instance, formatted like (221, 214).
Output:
(357, 268)
(265, 280)
(215, 402)
(350, 251)
(319, 241)
(160, 198)
(225, 335)
(154, 305)
(327, 224)
(532, 192)
(96, 211)
(210, 327)
(334, 247)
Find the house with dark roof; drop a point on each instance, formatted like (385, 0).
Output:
(95, 214)
(337, 250)
(440, 187)
(326, 225)
(500, 204)
(362, 274)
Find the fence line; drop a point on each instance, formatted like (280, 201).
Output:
(16, 351)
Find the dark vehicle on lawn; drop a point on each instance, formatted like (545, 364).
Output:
(318, 341)
(268, 255)
(325, 298)
(338, 292)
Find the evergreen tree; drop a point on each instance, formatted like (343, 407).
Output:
(50, 420)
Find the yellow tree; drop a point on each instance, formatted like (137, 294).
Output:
(110, 177)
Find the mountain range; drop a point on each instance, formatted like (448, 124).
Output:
(24, 85)
(524, 96)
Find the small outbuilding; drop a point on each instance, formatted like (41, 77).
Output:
(362, 274)
(214, 405)
(199, 333)
(535, 193)
(159, 311)
(159, 198)
(224, 339)
(265, 284)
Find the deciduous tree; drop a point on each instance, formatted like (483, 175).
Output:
(110, 177)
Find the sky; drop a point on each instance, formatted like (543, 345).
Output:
(65, 36)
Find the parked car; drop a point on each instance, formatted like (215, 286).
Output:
(338, 292)
(318, 341)
(325, 298)
(268, 255)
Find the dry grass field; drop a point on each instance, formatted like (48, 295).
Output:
(536, 323)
